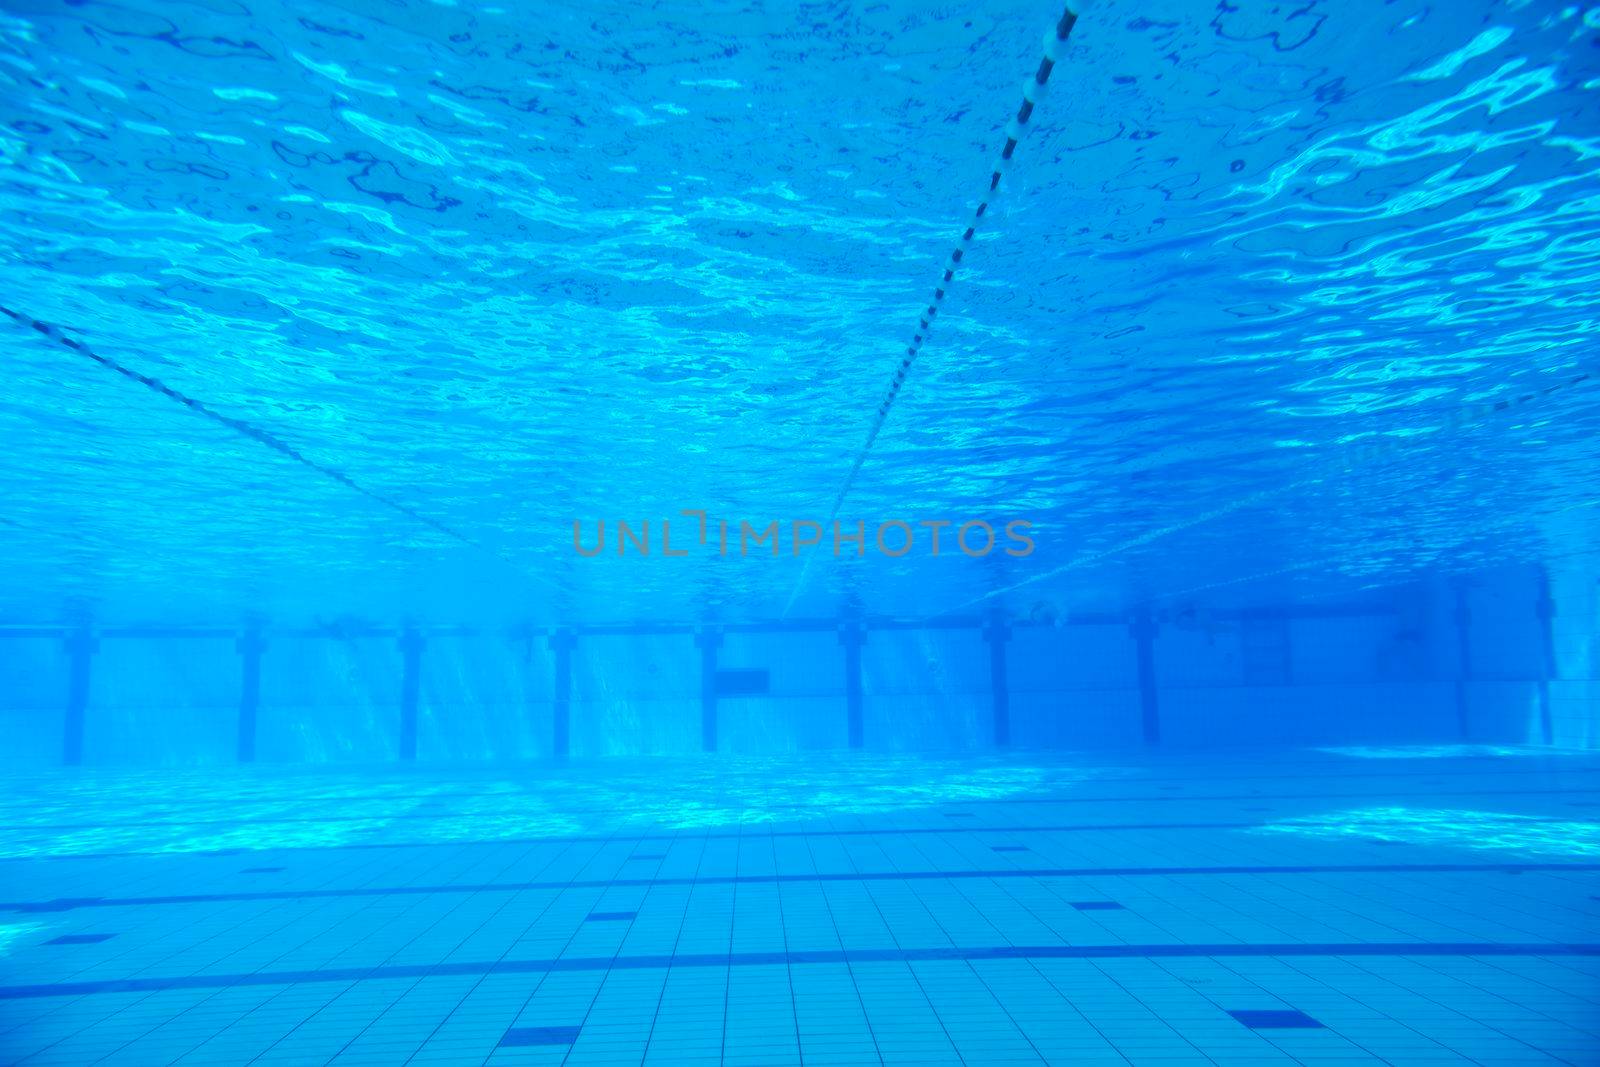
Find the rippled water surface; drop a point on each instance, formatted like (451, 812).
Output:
(501, 266)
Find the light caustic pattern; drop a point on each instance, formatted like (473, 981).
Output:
(617, 263)
(203, 811)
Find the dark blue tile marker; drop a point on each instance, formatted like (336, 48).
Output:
(261, 870)
(648, 856)
(540, 1035)
(610, 916)
(80, 939)
(1097, 905)
(1277, 1020)
(1010, 848)
(958, 814)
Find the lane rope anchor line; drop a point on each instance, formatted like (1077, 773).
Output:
(1034, 90)
(257, 434)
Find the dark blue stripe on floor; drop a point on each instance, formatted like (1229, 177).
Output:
(1097, 905)
(768, 959)
(539, 1035)
(1276, 1019)
(611, 916)
(58, 904)
(777, 879)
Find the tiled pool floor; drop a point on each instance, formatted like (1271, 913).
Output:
(1310, 907)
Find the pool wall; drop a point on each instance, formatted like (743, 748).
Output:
(1507, 657)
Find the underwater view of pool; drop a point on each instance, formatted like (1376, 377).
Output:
(741, 532)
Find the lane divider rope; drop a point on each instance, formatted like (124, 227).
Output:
(1034, 90)
(257, 434)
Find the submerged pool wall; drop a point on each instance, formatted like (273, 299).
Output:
(1573, 653)
(1507, 657)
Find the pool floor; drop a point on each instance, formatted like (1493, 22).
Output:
(1348, 906)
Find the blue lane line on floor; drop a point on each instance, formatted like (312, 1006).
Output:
(774, 879)
(768, 959)
(59, 904)
(611, 916)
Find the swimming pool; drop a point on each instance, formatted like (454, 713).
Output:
(599, 532)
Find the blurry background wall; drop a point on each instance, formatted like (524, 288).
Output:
(1505, 657)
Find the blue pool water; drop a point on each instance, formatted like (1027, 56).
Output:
(799, 533)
